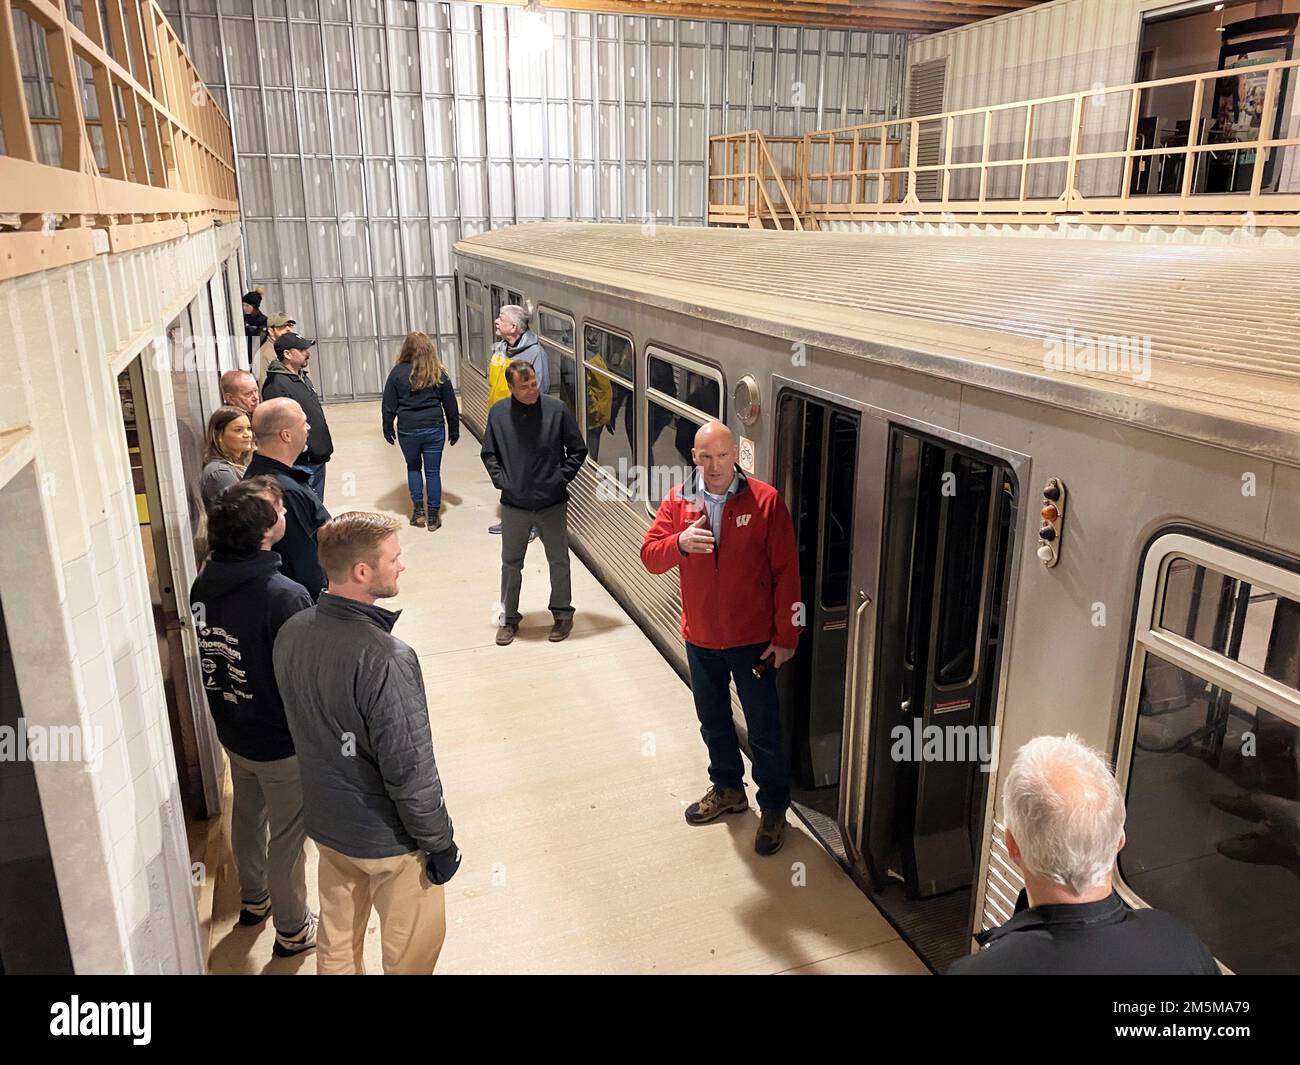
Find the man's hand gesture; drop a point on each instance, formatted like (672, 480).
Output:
(696, 538)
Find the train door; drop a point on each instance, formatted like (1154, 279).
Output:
(819, 451)
(945, 561)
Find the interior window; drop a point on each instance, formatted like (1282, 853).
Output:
(1214, 777)
(479, 345)
(555, 331)
(609, 362)
(671, 426)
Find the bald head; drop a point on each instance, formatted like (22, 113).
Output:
(715, 454)
(280, 429)
(239, 389)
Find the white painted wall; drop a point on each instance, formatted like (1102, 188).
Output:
(76, 597)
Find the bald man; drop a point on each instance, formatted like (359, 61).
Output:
(239, 389)
(280, 432)
(731, 538)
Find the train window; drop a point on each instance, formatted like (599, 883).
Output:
(961, 594)
(480, 345)
(609, 368)
(681, 395)
(837, 533)
(1211, 750)
(555, 331)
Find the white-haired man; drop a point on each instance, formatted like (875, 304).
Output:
(1064, 817)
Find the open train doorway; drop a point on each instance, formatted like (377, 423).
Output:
(816, 474)
(941, 627)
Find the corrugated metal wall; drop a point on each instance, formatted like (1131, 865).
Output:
(1059, 47)
(372, 134)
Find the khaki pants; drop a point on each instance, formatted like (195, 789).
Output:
(412, 913)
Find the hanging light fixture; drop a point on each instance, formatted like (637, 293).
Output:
(533, 33)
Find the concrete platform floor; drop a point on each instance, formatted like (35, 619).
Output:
(566, 769)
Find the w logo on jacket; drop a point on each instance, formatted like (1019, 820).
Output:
(742, 520)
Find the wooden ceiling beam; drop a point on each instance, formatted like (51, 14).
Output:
(920, 15)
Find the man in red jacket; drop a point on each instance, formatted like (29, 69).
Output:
(732, 538)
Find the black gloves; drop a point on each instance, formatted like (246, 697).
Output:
(453, 440)
(390, 436)
(441, 866)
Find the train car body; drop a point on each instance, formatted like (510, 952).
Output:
(916, 399)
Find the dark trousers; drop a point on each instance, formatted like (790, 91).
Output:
(422, 450)
(552, 526)
(710, 673)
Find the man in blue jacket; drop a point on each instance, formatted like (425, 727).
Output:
(239, 602)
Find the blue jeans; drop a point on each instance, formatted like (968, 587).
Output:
(711, 671)
(423, 451)
(317, 482)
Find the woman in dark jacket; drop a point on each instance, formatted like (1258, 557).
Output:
(419, 395)
(254, 321)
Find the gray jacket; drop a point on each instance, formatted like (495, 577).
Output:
(354, 699)
(529, 349)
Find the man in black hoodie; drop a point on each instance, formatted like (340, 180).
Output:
(532, 450)
(239, 602)
(287, 377)
(280, 429)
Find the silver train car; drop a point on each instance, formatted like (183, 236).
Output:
(1039, 486)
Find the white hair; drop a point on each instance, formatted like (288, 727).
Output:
(1062, 804)
(516, 314)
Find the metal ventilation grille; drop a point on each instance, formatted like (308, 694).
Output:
(925, 90)
(1004, 882)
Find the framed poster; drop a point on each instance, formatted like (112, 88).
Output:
(1238, 105)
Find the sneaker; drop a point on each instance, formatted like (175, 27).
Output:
(506, 635)
(435, 522)
(495, 530)
(251, 913)
(302, 940)
(417, 516)
(1242, 806)
(561, 629)
(771, 833)
(716, 802)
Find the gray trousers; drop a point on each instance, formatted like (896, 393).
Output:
(552, 527)
(267, 835)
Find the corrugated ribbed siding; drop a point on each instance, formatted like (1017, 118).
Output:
(1003, 885)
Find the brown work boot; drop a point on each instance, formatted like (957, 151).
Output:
(506, 635)
(771, 833)
(716, 802)
(561, 629)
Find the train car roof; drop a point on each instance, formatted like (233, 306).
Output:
(1222, 321)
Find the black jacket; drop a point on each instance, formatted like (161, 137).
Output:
(239, 604)
(1103, 938)
(532, 451)
(418, 410)
(282, 381)
(354, 698)
(304, 514)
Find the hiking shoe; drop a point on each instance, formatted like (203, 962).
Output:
(251, 913)
(561, 629)
(495, 530)
(435, 522)
(1242, 806)
(716, 802)
(771, 833)
(417, 516)
(302, 940)
(506, 635)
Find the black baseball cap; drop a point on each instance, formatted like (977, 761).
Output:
(292, 342)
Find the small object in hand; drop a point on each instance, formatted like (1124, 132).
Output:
(764, 664)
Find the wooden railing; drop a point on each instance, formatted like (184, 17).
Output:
(154, 162)
(747, 180)
(1154, 151)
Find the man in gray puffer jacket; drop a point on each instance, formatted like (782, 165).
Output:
(354, 699)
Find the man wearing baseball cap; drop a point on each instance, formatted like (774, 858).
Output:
(287, 376)
(276, 326)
